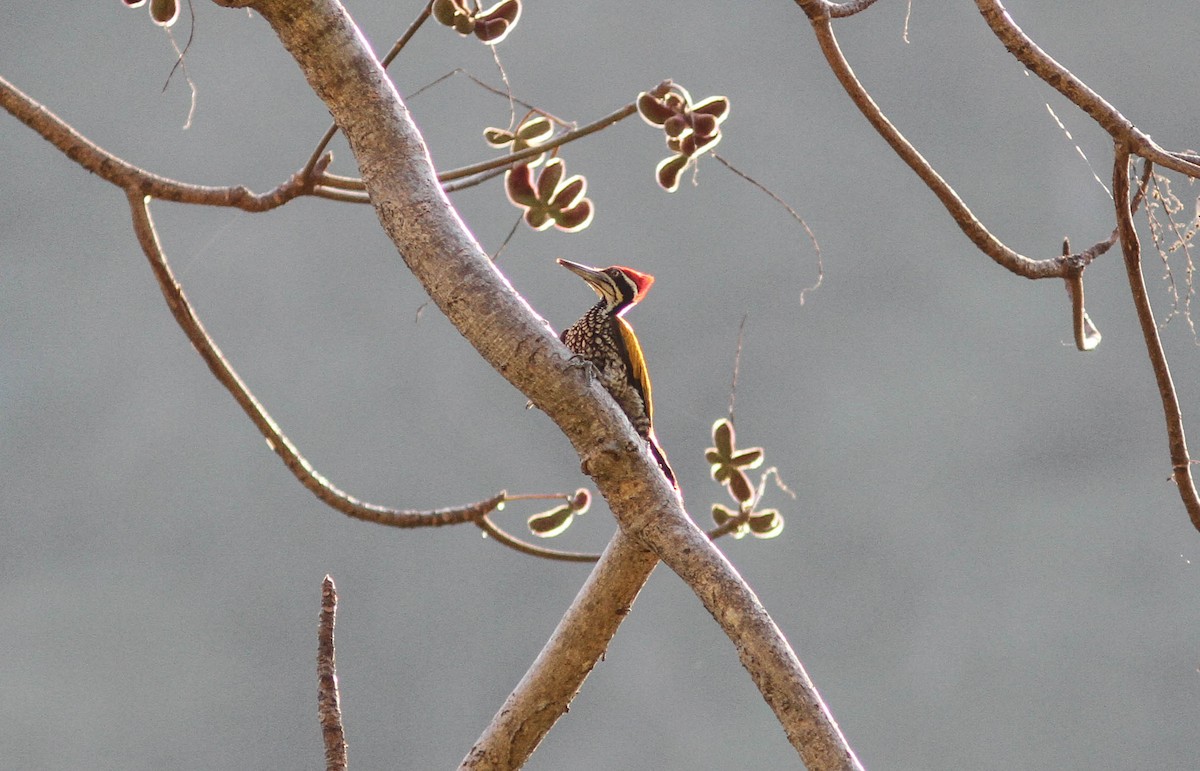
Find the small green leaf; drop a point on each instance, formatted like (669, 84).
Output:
(535, 130)
(581, 500)
(721, 515)
(445, 11)
(740, 487)
(669, 171)
(751, 458)
(164, 12)
(491, 31)
(464, 24)
(518, 184)
(652, 109)
(548, 179)
(570, 192)
(716, 106)
(723, 436)
(676, 125)
(550, 523)
(550, 200)
(538, 218)
(507, 11)
(576, 218)
(766, 524)
(497, 137)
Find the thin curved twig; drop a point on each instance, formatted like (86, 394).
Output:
(818, 12)
(812, 237)
(337, 194)
(1058, 77)
(1181, 462)
(478, 179)
(561, 139)
(329, 702)
(495, 531)
(484, 170)
(312, 480)
(489, 87)
(342, 183)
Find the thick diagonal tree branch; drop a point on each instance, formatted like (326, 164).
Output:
(578, 642)
(440, 251)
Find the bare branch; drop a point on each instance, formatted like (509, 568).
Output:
(342, 183)
(533, 550)
(578, 642)
(329, 702)
(317, 484)
(131, 178)
(1026, 51)
(531, 152)
(483, 306)
(397, 47)
(338, 194)
(484, 170)
(1058, 77)
(1181, 462)
(1085, 338)
(962, 215)
(842, 10)
(486, 524)
(463, 184)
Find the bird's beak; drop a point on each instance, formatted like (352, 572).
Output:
(593, 276)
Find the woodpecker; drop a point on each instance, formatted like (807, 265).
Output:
(604, 338)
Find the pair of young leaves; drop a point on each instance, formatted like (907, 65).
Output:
(728, 466)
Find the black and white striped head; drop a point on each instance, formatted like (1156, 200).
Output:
(620, 288)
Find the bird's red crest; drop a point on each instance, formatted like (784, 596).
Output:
(642, 281)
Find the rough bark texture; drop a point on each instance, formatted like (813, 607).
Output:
(488, 312)
(581, 638)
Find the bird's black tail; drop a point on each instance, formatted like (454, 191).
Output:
(661, 457)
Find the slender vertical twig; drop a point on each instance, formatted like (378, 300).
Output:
(329, 700)
(1181, 462)
(737, 366)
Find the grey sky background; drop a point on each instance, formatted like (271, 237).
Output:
(984, 565)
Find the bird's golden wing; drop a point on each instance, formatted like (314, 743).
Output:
(637, 364)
